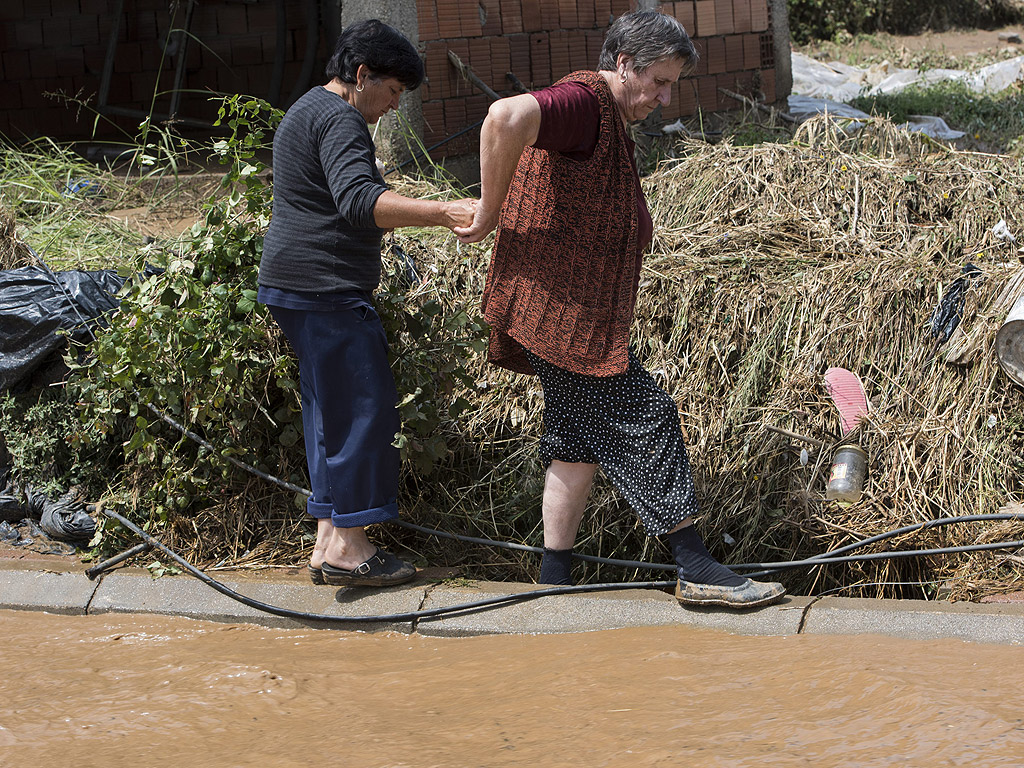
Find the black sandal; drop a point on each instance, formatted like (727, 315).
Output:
(381, 570)
(316, 575)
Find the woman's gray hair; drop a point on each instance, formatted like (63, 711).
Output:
(646, 36)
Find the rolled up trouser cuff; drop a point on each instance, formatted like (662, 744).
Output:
(319, 509)
(366, 516)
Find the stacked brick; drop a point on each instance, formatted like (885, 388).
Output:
(60, 46)
(737, 50)
(51, 46)
(539, 41)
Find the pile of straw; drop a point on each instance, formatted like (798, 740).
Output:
(771, 264)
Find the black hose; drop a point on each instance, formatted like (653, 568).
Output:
(491, 602)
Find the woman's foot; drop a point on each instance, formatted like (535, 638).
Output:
(324, 532)
(381, 569)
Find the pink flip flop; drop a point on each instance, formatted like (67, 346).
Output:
(847, 393)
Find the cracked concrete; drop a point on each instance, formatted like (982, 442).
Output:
(63, 587)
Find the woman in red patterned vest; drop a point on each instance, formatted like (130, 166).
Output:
(559, 183)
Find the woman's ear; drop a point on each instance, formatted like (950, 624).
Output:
(623, 63)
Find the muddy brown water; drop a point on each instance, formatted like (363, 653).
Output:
(137, 691)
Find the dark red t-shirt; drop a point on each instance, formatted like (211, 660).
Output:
(570, 116)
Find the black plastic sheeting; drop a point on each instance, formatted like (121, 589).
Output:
(35, 303)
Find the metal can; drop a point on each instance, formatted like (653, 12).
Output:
(849, 470)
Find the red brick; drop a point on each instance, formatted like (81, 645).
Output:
(723, 17)
(751, 51)
(578, 58)
(69, 61)
(519, 57)
(603, 13)
(733, 52)
(84, 29)
(540, 59)
(102, 7)
(687, 97)
(491, 25)
(459, 86)
(684, 13)
(480, 58)
(10, 95)
(231, 20)
(15, 65)
(768, 85)
(620, 7)
(595, 41)
(700, 44)
(716, 55)
(670, 111)
(707, 93)
(704, 13)
(767, 51)
(585, 13)
(568, 18)
(449, 24)
(426, 13)
(454, 115)
(14, 10)
(476, 108)
(511, 16)
(759, 15)
(37, 9)
(41, 63)
(25, 34)
(246, 50)
(549, 15)
(532, 18)
(741, 15)
(469, 14)
(501, 62)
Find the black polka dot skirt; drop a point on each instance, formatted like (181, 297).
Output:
(629, 426)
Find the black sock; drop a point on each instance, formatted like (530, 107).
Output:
(556, 566)
(696, 564)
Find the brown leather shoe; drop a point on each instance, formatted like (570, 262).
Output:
(749, 594)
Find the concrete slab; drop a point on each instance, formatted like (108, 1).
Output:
(135, 591)
(53, 591)
(590, 612)
(917, 619)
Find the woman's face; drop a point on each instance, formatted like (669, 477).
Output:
(642, 92)
(378, 97)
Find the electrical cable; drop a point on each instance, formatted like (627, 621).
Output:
(832, 556)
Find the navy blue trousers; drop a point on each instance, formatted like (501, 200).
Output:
(349, 417)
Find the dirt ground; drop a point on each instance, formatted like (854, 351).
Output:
(955, 47)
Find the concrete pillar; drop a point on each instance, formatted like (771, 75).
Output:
(783, 50)
(392, 131)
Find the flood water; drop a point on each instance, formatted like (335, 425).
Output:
(134, 691)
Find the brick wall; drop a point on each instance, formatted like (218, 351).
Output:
(51, 46)
(61, 45)
(541, 40)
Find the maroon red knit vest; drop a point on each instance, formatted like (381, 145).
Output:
(563, 276)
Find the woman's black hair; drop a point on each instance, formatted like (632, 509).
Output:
(383, 49)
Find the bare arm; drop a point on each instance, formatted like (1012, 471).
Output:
(393, 210)
(512, 124)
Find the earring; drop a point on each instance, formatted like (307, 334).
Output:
(359, 89)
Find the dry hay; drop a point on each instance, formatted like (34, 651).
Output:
(772, 263)
(13, 252)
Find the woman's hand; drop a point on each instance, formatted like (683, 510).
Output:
(460, 213)
(483, 223)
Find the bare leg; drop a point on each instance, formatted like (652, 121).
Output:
(566, 488)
